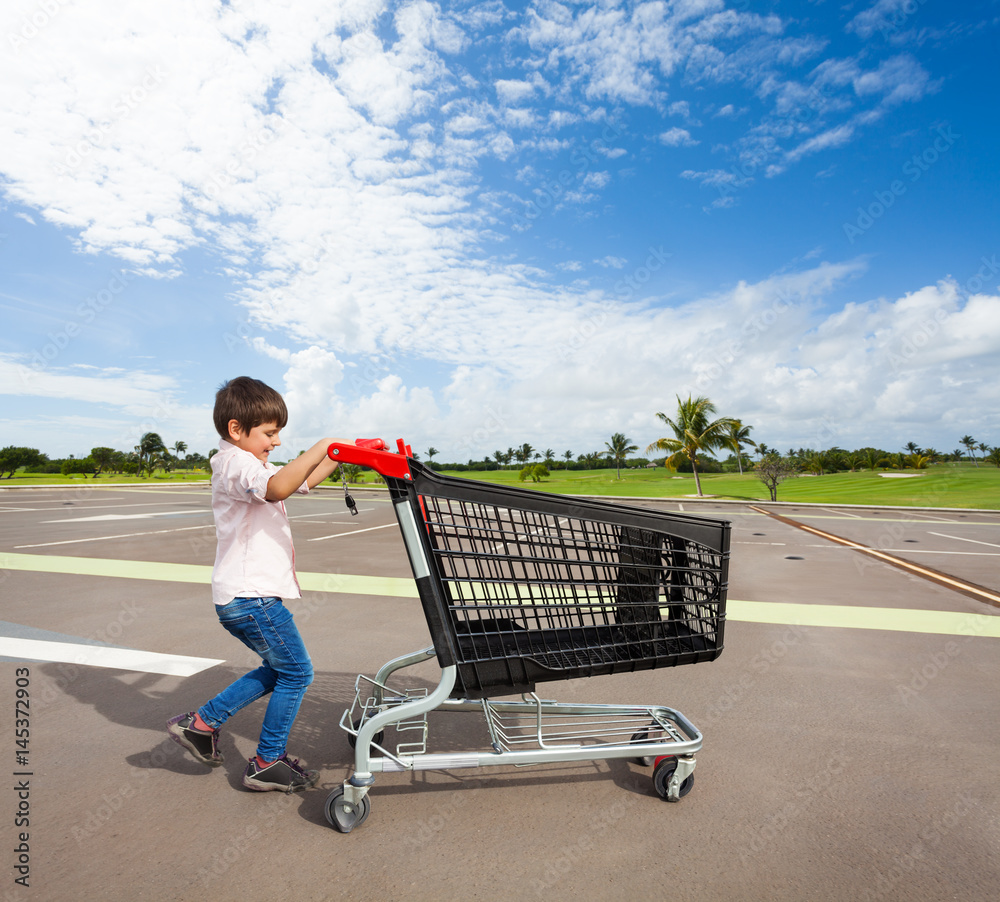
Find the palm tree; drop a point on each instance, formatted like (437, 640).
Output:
(569, 456)
(817, 462)
(912, 447)
(872, 458)
(854, 459)
(431, 452)
(970, 443)
(896, 460)
(179, 448)
(498, 457)
(549, 457)
(694, 432)
(523, 454)
(618, 449)
(739, 435)
(149, 446)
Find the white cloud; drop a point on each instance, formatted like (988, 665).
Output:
(715, 178)
(613, 54)
(38, 375)
(835, 137)
(513, 91)
(563, 119)
(596, 179)
(897, 80)
(885, 16)
(116, 404)
(677, 137)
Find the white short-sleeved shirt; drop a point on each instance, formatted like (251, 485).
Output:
(254, 557)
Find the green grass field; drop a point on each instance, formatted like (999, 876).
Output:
(938, 486)
(943, 485)
(45, 479)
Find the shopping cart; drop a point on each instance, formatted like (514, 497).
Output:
(519, 587)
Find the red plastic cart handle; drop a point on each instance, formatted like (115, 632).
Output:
(371, 452)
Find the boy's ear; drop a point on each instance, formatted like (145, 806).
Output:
(235, 431)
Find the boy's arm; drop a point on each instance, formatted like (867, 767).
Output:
(323, 470)
(288, 479)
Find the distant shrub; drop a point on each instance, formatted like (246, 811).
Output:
(534, 472)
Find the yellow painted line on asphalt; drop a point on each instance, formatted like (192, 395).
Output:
(907, 620)
(348, 584)
(903, 620)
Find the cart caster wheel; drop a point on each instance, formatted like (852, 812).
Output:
(643, 760)
(662, 773)
(353, 740)
(342, 816)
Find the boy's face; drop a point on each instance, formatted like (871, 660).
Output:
(259, 441)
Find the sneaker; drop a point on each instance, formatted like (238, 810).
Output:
(204, 745)
(283, 775)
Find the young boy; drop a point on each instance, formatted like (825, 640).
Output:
(254, 570)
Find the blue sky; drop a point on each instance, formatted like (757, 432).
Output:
(475, 225)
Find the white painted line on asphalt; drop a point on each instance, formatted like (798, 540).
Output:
(352, 533)
(960, 539)
(108, 503)
(104, 656)
(344, 513)
(129, 535)
(147, 516)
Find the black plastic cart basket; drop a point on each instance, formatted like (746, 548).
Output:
(519, 587)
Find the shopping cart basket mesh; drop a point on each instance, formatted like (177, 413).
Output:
(535, 595)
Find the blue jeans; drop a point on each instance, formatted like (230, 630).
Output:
(264, 625)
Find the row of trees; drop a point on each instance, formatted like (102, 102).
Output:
(696, 434)
(695, 429)
(149, 455)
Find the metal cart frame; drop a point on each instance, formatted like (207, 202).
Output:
(519, 587)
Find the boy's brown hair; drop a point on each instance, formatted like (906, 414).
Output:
(250, 402)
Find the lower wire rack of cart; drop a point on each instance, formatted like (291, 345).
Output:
(522, 732)
(371, 698)
(548, 724)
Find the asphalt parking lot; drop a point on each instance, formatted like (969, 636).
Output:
(851, 724)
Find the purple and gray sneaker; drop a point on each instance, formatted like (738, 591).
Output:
(204, 745)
